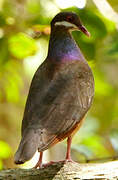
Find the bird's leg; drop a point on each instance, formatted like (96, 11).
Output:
(39, 163)
(68, 154)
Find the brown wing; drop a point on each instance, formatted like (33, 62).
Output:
(58, 99)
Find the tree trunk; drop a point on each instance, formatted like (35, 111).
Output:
(67, 171)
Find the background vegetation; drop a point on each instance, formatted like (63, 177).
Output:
(24, 37)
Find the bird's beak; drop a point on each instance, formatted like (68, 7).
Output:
(84, 30)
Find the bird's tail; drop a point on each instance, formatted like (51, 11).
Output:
(28, 146)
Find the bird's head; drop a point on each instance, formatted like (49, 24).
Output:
(69, 21)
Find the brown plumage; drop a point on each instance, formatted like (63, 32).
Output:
(60, 95)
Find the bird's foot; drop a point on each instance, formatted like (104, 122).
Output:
(62, 161)
(69, 160)
(52, 162)
(48, 164)
(40, 165)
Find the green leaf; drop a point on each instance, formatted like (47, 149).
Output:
(2, 20)
(5, 150)
(1, 165)
(4, 53)
(11, 81)
(21, 46)
(113, 46)
(114, 138)
(102, 88)
(83, 150)
(96, 145)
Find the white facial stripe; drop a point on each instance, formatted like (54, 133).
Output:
(66, 24)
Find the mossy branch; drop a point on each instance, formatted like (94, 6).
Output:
(67, 171)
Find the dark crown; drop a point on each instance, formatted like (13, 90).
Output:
(66, 16)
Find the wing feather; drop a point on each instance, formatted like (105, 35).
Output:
(58, 100)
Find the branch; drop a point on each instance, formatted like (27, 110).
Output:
(67, 171)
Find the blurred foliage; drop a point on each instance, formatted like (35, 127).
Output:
(24, 36)
(21, 46)
(5, 152)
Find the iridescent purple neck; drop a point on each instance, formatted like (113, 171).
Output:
(62, 47)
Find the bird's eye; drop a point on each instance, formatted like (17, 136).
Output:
(69, 18)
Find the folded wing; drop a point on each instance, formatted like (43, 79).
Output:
(57, 100)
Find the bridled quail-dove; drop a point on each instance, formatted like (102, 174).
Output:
(60, 94)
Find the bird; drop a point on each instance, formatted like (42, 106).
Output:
(60, 95)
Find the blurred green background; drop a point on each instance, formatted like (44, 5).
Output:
(24, 38)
